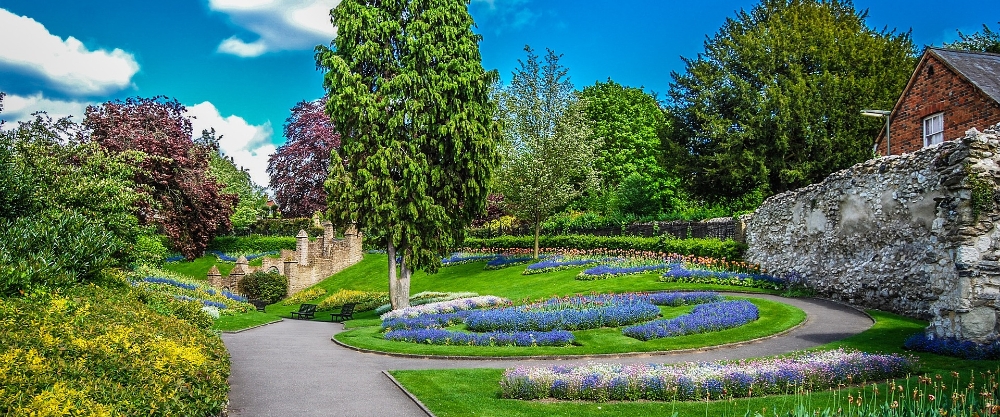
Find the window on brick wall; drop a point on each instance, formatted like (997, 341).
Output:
(933, 129)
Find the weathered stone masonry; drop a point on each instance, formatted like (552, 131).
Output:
(898, 233)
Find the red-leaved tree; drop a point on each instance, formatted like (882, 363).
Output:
(300, 166)
(186, 202)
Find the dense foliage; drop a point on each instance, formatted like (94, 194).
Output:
(715, 248)
(985, 41)
(285, 227)
(235, 180)
(252, 244)
(94, 351)
(300, 166)
(56, 239)
(260, 285)
(774, 101)
(548, 152)
(186, 201)
(407, 90)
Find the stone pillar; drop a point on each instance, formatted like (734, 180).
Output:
(302, 247)
(215, 277)
(235, 276)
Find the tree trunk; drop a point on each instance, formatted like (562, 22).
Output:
(538, 231)
(393, 279)
(403, 289)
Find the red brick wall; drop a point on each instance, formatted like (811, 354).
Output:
(936, 88)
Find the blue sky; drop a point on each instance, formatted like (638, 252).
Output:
(240, 65)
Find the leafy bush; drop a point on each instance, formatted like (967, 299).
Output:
(186, 289)
(267, 286)
(285, 227)
(251, 244)
(187, 310)
(366, 300)
(95, 351)
(715, 248)
(304, 295)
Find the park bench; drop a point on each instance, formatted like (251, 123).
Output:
(260, 304)
(306, 311)
(346, 313)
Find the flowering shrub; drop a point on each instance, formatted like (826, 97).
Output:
(428, 297)
(704, 318)
(304, 295)
(186, 289)
(557, 263)
(448, 306)
(95, 351)
(446, 337)
(568, 313)
(679, 273)
(698, 381)
(950, 346)
(366, 300)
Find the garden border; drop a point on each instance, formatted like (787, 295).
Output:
(603, 355)
(253, 327)
(409, 394)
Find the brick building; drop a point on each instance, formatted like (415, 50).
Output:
(951, 91)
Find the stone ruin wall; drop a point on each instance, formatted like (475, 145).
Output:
(897, 233)
(309, 263)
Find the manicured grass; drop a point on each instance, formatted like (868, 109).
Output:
(463, 392)
(243, 321)
(774, 317)
(199, 267)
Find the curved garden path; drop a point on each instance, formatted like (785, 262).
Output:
(292, 368)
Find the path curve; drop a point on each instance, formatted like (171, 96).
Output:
(293, 368)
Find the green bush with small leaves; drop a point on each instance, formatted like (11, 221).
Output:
(268, 286)
(711, 247)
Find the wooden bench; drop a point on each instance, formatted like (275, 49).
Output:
(306, 311)
(346, 313)
(260, 304)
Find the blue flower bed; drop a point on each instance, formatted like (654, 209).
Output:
(704, 318)
(459, 258)
(424, 321)
(234, 297)
(174, 258)
(950, 346)
(557, 263)
(229, 258)
(447, 337)
(675, 299)
(208, 303)
(575, 313)
(171, 282)
(678, 273)
(608, 271)
(503, 261)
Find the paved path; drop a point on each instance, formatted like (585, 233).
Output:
(292, 368)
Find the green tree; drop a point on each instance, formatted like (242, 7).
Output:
(548, 151)
(234, 180)
(985, 41)
(409, 96)
(774, 101)
(629, 121)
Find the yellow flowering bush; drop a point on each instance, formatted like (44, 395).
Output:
(304, 295)
(101, 352)
(366, 300)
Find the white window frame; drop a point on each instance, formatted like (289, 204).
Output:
(934, 129)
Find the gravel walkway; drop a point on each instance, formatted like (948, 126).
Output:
(292, 368)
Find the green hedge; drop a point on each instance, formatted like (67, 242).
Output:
(251, 244)
(95, 351)
(713, 248)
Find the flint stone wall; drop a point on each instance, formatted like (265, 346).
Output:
(897, 233)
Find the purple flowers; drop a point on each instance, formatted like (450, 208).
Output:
(697, 381)
(459, 258)
(609, 270)
(557, 263)
(679, 273)
(229, 258)
(171, 282)
(704, 318)
(447, 337)
(948, 346)
(573, 313)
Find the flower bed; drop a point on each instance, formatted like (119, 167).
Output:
(679, 273)
(698, 381)
(504, 261)
(570, 313)
(448, 306)
(459, 258)
(557, 263)
(447, 337)
(184, 289)
(704, 318)
(230, 258)
(948, 346)
(304, 295)
(428, 297)
(365, 300)
(608, 271)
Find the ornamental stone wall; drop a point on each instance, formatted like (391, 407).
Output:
(916, 234)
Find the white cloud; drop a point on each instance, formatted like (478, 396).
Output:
(67, 65)
(249, 145)
(278, 24)
(19, 108)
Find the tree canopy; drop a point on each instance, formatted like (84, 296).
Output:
(774, 101)
(548, 152)
(408, 93)
(300, 166)
(186, 202)
(985, 41)
(234, 180)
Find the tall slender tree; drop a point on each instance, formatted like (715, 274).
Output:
(774, 101)
(548, 151)
(408, 93)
